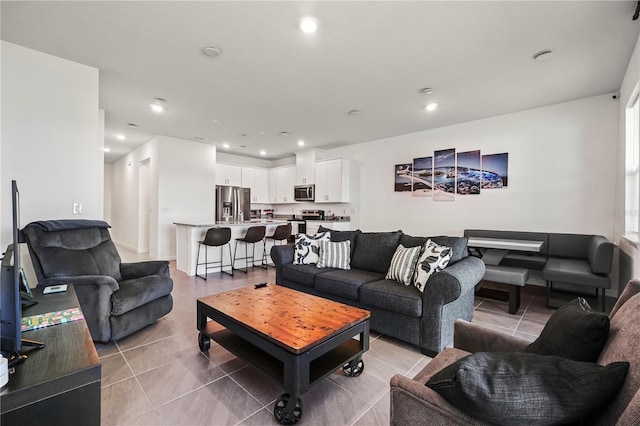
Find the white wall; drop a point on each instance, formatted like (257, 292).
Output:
(108, 172)
(51, 137)
(629, 82)
(181, 189)
(562, 173)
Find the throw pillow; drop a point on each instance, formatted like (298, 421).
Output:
(574, 331)
(307, 248)
(403, 264)
(434, 258)
(512, 388)
(335, 255)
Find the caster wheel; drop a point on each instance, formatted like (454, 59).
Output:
(204, 342)
(287, 418)
(353, 370)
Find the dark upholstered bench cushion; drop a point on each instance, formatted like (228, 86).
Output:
(506, 275)
(303, 274)
(573, 271)
(392, 296)
(345, 283)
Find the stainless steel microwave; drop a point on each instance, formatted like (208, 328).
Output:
(304, 192)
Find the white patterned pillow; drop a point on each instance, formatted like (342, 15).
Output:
(335, 255)
(307, 248)
(403, 264)
(434, 258)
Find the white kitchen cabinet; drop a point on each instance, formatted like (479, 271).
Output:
(281, 183)
(228, 174)
(333, 181)
(305, 167)
(258, 180)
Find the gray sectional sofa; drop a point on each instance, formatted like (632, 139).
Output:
(575, 259)
(403, 312)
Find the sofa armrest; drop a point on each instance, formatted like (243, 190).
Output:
(281, 255)
(475, 338)
(94, 294)
(453, 281)
(600, 254)
(413, 403)
(134, 270)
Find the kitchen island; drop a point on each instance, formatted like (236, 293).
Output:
(189, 234)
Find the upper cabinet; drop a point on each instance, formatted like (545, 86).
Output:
(333, 181)
(281, 183)
(305, 167)
(227, 174)
(258, 180)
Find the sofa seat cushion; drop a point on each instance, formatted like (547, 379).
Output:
(303, 274)
(139, 291)
(345, 283)
(389, 295)
(573, 271)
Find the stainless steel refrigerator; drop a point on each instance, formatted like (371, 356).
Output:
(233, 203)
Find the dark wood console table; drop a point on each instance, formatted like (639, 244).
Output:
(60, 384)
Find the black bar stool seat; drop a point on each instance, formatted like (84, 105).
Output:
(215, 237)
(255, 234)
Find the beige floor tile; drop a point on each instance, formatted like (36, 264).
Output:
(257, 384)
(150, 334)
(395, 353)
(222, 402)
(148, 357)
(123, 401)
(152, 418)
(379, 414)
(114, 369)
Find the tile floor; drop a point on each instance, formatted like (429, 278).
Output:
(158, 376)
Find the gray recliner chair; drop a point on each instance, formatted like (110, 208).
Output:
(116, 298)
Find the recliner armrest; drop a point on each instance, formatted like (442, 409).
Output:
(83, 281)
(133, 270)
(475, 338)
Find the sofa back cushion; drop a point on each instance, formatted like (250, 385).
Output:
(458, 246)
(622, 345)
(374, 250)
(569, 246)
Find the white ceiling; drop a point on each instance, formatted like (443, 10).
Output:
(373, 56)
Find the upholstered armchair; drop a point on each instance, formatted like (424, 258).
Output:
(116, 298)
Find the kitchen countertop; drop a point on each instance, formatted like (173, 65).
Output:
(237, 223)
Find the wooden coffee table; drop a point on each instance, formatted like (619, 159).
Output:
(294, 338)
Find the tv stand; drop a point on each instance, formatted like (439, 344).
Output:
(60, 384)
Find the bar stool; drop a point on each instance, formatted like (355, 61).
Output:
(254, 234)
(215, 237)
(281, 233)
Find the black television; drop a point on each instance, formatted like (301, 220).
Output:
(11, 281)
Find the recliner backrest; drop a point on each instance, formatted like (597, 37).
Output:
(72, 252)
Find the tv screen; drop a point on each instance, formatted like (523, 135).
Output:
(10, 310)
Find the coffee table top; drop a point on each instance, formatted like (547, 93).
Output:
(295, 320)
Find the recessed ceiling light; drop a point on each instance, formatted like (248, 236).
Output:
(107, 149)
(157, 104)
(243, 135)
(300, 142)
(431, 107)
(426, 91)
(262, 133)
(216, 121)
(212, 51)
(226, 145)
(284, 133)
(309, 25)
(121, 137)
(354, 112)
(263, 152)
(543, 56)
(132, 125)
